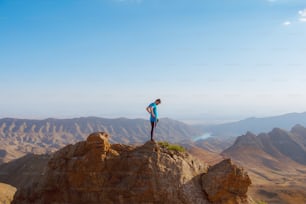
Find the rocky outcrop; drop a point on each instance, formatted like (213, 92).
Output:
(226, 183)
(6, 193)
(94, 171)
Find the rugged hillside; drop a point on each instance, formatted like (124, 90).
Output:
(18, 136)
(94, 171)
(24, 171)
(215, 144)
(276, 162)
(271, 149)
(209, 157)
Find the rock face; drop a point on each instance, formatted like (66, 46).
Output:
(226, 183)
(6, 193)
(94, 171)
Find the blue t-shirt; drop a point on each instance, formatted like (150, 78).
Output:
(154, 108)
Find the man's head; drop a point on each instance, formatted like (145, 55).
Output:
(157, 101)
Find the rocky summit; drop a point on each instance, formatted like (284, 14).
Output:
(95, 171)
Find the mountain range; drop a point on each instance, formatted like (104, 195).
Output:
(21, 136)
(274, 147)
(276, 162)
(256, 125)
(222, 136)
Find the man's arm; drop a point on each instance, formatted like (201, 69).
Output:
(150, 110)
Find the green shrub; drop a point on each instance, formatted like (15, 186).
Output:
(174, 147)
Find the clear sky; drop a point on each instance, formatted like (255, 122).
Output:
(208, 60)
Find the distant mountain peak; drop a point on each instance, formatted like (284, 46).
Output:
(298, 127)
(278, 130)
(248, 139)
(280, 134)
(250, 134)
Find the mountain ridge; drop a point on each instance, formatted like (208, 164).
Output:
(256, 125)
(278, 143)
(21, 136)
(276, 162)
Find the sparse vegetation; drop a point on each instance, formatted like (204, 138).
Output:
(261, 202)
(174, 147)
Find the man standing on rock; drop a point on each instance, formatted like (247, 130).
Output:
(152, 109)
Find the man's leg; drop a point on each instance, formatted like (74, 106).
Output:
(152, 129)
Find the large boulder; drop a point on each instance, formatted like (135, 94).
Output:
(226, 183)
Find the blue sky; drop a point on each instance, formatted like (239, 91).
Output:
(207, 60)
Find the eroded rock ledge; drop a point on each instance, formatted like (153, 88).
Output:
(95, 171)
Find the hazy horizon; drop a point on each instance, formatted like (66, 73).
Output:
(191, 121)
(209, 61)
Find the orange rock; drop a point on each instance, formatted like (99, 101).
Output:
(94, 172)
(226, 183)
